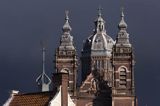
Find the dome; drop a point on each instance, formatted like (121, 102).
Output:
(99, 44)
(122, 24)
(101, 41)
(66, 27)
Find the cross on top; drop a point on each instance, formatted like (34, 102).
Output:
(99, 11)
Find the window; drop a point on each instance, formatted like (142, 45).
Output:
(122, 77)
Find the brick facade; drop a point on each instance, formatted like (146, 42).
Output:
(107, 67)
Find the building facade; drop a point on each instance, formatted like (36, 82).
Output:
(66, 56)
(107, 71)
(107, 66)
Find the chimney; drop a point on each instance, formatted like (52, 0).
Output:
(61, 79)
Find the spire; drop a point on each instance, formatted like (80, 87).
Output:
(122, 24)
(43, 80)
(66, 41)
(100, 23)
(99, 11)
(66, 27)
(123, 36)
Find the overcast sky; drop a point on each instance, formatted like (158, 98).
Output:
(24, 23)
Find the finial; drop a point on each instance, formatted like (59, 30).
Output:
(66, 27)
(122, 8)
(99, 22)
(67, 16)
(99, 11)
(122, 23)
(122, 11)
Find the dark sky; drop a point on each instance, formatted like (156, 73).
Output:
(24, 23)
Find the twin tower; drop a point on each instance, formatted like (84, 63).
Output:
(107, 66)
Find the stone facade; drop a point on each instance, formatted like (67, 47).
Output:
(107, 66)
(66, 57)
(123, 89)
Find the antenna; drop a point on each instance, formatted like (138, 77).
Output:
(43, 80)
(43, 54)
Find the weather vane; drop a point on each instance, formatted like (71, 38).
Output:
(43, 80)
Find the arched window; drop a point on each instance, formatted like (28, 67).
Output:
(122, 77)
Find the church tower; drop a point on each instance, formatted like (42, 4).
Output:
(123, 91)
(66, 56)
(96, 67)
(96, 52)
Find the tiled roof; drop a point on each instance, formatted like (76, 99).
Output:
(32, 99)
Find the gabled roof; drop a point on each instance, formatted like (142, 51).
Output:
(56, 101)
(37, 99)
(31, 99)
